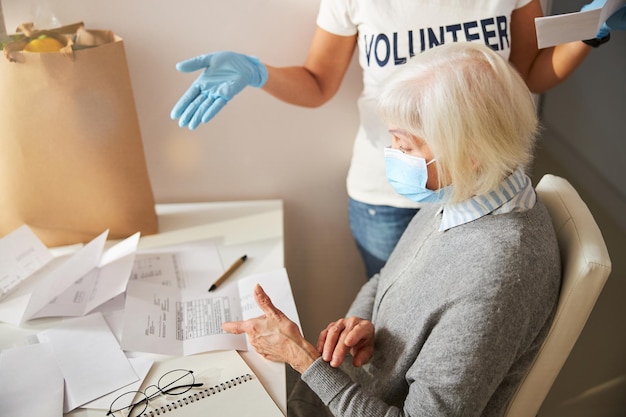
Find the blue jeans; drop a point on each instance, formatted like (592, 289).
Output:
(376, 230)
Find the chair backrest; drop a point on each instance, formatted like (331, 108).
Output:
(586, 267)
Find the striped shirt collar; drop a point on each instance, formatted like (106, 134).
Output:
(514, 193)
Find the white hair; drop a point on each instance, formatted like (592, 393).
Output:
(473, 110)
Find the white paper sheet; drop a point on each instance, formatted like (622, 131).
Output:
(99, 285)
(172, 321)
(61, 278)
(90, 359)
(167, 320)
(32, 383)
(570, 27)
(73, 284)
(21, 255)
(141, 365)
(276, 286)
(194, 264)
(50, 281)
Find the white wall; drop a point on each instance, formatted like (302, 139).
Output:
(257, 147)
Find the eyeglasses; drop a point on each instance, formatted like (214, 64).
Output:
(175, 382)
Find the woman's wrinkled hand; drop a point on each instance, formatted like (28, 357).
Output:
(351, 335)
(274, 336)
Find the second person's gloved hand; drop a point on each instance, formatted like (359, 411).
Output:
(225, 74)
(617, 21)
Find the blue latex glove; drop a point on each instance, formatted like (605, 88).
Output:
(225, 74)
(617, 21)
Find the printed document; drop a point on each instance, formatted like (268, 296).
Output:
(185, 321)
(21, 255)
(72, 284)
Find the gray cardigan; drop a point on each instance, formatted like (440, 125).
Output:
(459, 316)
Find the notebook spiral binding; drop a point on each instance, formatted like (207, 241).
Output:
(197, 396)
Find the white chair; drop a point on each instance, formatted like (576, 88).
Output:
(586, 267)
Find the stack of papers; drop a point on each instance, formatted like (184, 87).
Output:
(168, 308)
(36, 284)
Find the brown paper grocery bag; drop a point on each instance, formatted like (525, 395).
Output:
(72, 162)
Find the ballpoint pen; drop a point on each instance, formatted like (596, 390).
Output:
(228, 272)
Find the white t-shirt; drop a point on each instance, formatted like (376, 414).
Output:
(389, 34)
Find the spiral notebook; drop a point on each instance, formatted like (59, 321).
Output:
(230, 388)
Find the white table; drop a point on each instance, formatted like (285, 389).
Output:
(254, 228)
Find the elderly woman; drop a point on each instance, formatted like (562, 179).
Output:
(453, 321)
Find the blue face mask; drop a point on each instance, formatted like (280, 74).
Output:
(408, 175)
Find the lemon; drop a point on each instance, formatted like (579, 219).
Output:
(43, 44)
